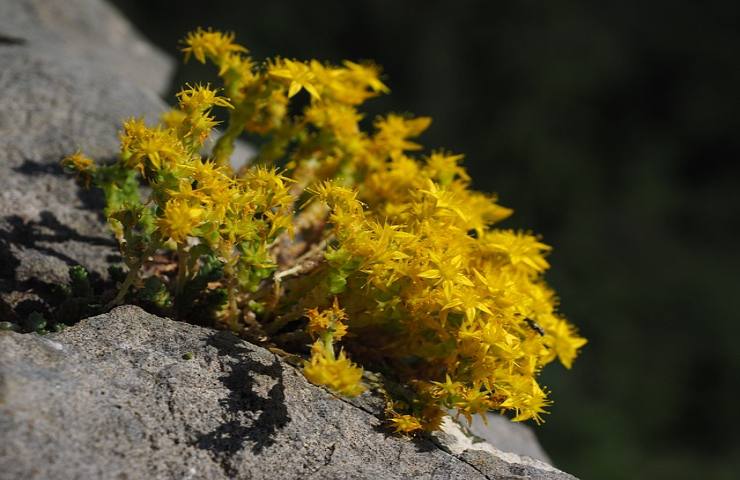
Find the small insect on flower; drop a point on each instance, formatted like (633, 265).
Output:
(535, 326)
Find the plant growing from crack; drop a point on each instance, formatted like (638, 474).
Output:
(332, 233)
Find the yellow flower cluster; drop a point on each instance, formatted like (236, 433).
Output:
(405, 423)
(323, 367)
(336, 372)
(199, 198)
(195, 205)
(443, 291)
(412, 275)
(329, 321)
(82, 164)
(204, 44)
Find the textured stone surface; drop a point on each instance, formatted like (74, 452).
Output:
(83, 34)
(115, 397)
(508, 436)
(67, 81)
(495, 461)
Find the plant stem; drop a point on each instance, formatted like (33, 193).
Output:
(328, 339)
(232, 315)
(127, 282)
(182, 275)
(225, 145)
(131, 276)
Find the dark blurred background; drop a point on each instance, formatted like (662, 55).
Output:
(612, 129)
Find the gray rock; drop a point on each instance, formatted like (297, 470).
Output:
(85, 34)
(67, 82)
(507, 467)
(116, 397)
(490, 460)
(508, 436)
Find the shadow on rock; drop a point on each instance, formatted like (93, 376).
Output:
(8, 283)
(91, 198)
(249, 416)
(47, 236)
(48, 229)
(29, 167)
(11, 41)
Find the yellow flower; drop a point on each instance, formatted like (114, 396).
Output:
(179, 220)
(449, 270)
(134, 129)
(368, 74)
(199, 98)
(341, 120)
(327, 321)
(297, 74)
(338, 374)
(237, 71)
(447, 389)
(565, 342)
(208, 43)
(445, 168)
(269, 114)
(151, 148)
(405, 423)
(82, 164)
(527, 399)
(395, 130)
(173, 118)
(524, 252)
(200, 126)
(79, 161)
(351, 84)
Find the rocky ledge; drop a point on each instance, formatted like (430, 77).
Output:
(131, 395)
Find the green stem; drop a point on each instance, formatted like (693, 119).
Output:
(232, 315)
(131, 276)
(133, 273)
(225, 145)
(328, 339)
(182, 269)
